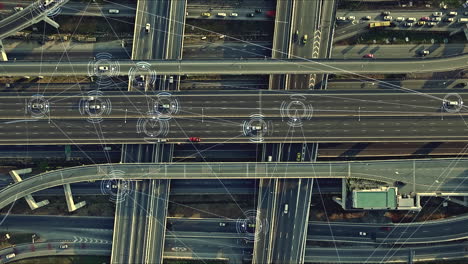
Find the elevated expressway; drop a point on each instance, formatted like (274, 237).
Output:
(320, 116)
(234, 67)
(427, 176)
(30, 15)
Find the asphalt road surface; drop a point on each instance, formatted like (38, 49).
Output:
(233, 67)
(398, 51)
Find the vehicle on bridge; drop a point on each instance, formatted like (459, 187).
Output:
(205, 14)
(379, 24)
(194, 139)
(304, 39)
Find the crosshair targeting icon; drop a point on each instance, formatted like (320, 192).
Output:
(296, 110)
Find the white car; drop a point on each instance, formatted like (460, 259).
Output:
(10, 256)
(453, 13)
(63, 246)
(436, 19)
(362, 233)
(147, 27)
(351, 18)
(103, 68)
(221, 14)
(114, 11)
(341, 19)
(18, 8)
(234, 15)
(95, 106)
(179, 249)
(437, 14)
(387, 18)
(399, 19)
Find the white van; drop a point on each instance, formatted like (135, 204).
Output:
(10, 256)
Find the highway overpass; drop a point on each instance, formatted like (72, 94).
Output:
(233, 67)
(428, 176)
(354, 116)
(30, 15)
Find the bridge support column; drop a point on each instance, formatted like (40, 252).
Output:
(51, 22)
(3, 53)
(69, 198)
(15, 174)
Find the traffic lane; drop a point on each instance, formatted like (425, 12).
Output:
(397, 51)
(283, 238)
(24, 251)
(396, 84)
(351, 105)
(249, 67)
(301, 206)
(266, 207)
(12, 221)
(226, 49)
(232, 130)
(379, 255)
(305, 22)
(418, 233)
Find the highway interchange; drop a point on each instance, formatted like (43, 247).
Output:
(146, 101)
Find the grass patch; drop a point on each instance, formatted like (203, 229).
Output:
(210, 206)
(95, 206)
(15, 239)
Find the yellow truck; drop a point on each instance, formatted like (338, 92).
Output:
(379, 24)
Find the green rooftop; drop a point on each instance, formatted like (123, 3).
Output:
(375, 199)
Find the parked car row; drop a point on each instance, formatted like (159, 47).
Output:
(425, 20)
(223, 14)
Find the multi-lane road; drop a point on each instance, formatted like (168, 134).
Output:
(234, 67)
(359, 116)
(378, 244)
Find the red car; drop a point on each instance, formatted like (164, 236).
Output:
(370, 56)
(425, 18)
(194, 139)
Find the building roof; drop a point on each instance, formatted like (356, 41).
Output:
(384, 198)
